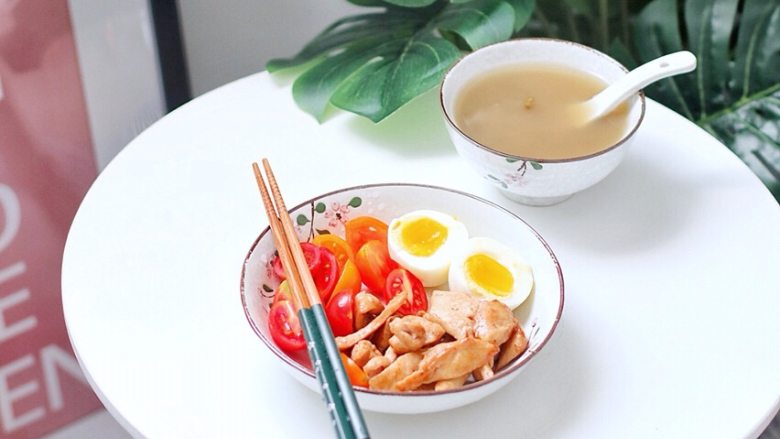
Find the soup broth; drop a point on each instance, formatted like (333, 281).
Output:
(525, 110)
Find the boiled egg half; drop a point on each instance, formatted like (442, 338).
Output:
(424, 242)
(491, 270)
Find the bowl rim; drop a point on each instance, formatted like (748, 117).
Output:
(450, 121)
(507, 370)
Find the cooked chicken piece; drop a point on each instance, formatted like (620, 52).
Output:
(366, 307)
(363, 351)
(484, 372)
(452, 383)
(410, 333)
(376, 365)
(382, 337)
(390, 354)
(350, 340)
(516, 345)
(454, 312)
(493, 322)
(450, 360)
(400, 369)
(429, 386)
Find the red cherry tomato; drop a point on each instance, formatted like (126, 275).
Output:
(362, 229)
(326, 274)
(310, 251)
(339, 313)
(355, 374)
(283, 292)
(395, 284)
(374, 264)
(284, 326)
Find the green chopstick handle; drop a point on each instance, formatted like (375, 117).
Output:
(327, 374)
(354, 412)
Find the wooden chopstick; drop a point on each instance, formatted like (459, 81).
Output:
(325, 356)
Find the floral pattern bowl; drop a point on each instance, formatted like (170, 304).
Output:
(530, 180)
(539, 314)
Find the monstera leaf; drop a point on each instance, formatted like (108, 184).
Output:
(735, 91)
(595, 23)
(371, 64)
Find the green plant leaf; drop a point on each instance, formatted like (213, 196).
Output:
(323, 231)
(301, 219)
(466, 21)
(355, 202)
(735, 91)
(320, 207)
(536, 165)
(411, 3)
(372, 64)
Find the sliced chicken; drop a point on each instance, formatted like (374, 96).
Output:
(454, 311)
(452, 383)
(376, 365)
(484, 372)
(367, 306)
(450, 360)
(390, 354)
(363, 351)
(493, 322)
(516, 345)
(350, 340)
(382, 337)
(399, 370)
(411, 333)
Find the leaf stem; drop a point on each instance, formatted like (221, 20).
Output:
(740, 103)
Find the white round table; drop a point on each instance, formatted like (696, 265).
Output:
(672, 313)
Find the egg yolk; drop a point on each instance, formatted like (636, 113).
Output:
(422, 236)
(489, 274)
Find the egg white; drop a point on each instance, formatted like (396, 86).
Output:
(432, 270)
(506, 256)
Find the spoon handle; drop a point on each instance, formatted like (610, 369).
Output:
(659, 68)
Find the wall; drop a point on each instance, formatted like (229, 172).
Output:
(229, 39)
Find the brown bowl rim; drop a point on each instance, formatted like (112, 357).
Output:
(623, 140)
(507, 370)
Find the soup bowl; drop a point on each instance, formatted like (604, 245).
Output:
(327, 213)
(535, 180)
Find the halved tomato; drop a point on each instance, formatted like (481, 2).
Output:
(395, 285)
(326, 274)
(283, 292)
(374, 264)
(339, 313)
(362, 229)
(349, 279)
(355, 374)
(310, 251)
(284, 326)
(338, 246)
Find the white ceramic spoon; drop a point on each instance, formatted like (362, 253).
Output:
(612, 96)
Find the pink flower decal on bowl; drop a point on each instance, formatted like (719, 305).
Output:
(337, 214)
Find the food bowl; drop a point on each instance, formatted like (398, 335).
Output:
(327, 213)
(532, 180)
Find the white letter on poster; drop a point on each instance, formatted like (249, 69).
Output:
(51, 357)
(9, 331)
(9, 204)
(11, 422)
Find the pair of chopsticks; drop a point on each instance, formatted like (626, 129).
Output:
(325, 356)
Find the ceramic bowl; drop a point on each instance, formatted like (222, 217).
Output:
(327, 213)
(531, 180)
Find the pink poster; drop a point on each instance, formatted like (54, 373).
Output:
(46, 166)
